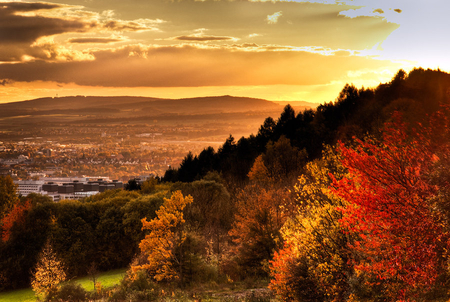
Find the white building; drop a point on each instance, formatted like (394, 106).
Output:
(25, 187)
(66, 188)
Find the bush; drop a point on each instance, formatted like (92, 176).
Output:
(138, 288)
(69, 292)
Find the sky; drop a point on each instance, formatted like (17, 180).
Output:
(279, 50)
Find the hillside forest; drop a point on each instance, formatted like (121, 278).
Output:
(345, 202)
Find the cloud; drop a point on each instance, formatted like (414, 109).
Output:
(202, 38)
(17, 28)
(95, 40)
(4, 82)
(397, 10)
(189, 66)
(254, 35)
(273, 19)
(137, 25)
(378, 10)
(23, 25)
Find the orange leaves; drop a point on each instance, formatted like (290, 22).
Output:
(16, 215)
(166, 234)
(48, 273)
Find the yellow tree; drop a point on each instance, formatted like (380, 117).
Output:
(166, 235)
(49, 272)
(314, 265)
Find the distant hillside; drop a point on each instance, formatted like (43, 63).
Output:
(126, 106)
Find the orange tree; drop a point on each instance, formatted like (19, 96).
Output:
(167, 234)
(49, 272)
(259, 217)
(403, 233)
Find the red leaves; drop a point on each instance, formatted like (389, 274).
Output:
(391, 203)
(16, 215)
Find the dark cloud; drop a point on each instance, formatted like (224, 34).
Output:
(4, 82)
(16, 28)
(27, 7)
(22, 25)
(379, 10)
(95, 40)
(202, 38)
(398, 10)
(126, 25)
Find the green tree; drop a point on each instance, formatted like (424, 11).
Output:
(8, 196)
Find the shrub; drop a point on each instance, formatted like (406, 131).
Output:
(139, 287)
(70, 292)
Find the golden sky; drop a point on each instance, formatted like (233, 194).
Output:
(278, 50)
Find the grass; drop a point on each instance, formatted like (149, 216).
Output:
(107, 279)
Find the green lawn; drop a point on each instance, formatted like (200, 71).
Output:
(107, 279)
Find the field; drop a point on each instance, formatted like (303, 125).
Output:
(107, 279)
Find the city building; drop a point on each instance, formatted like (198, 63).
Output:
(67, 188)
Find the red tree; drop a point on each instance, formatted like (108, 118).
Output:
(393, 204)
(16, 215)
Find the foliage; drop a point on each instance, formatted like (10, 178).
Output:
(355, 112)
(259, 217)
(16, 215)
(8, 197)
(313, 265)
(105, 229)
(211, 212)
(135, 287)
(19, 254)
(48, 273)
(149, 186)
(403, 234)
(166, 235)
(133, 185)
(70, 292)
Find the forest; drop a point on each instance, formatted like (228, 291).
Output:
(346, 202)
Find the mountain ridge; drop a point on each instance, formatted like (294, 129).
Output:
(127, 106)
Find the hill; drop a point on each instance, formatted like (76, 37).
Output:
(123, 106)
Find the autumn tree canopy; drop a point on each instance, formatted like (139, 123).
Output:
(392, 204)
(49, 272)
(166, 235)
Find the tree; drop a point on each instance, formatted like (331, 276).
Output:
(211, 212)
(8, 195)
(403, 233)
(260, 214)
(149, 186)
(48, 273)
(279, 164)
(283, 160)
(16, 215)
(166, 235)
(314, 263)
(133, 185)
